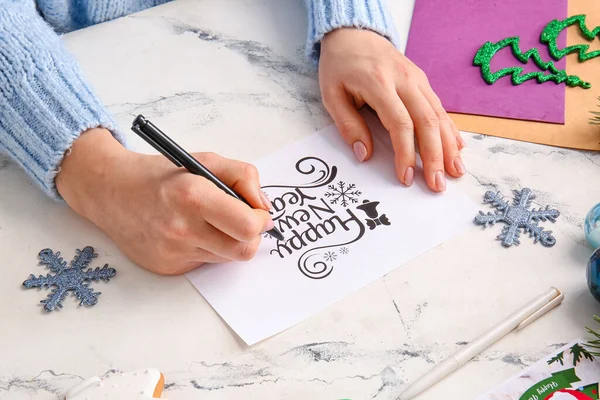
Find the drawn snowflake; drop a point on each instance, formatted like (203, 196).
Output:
(344, 250)
(342, 194)
(69, 279)
(518, 216)
(330, 256)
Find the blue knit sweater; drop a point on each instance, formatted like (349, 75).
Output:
(45, 101)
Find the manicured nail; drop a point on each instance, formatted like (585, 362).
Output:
(265, 200)
(270, 225)
(360, 150)
(409, 176)
(440, 181)
(460, 167)
(461, 142)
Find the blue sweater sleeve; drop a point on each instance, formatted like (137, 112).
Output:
(326, 15)
(45, 103)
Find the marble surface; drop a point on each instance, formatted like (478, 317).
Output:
(217, 72)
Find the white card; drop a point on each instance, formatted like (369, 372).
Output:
(345, 225)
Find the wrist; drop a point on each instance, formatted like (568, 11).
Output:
(351, 35)
(334, 33)
(88, 168)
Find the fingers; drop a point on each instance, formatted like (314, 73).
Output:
(202, 256)
(459, 139)
(351, 125)
(226, 213)
(427, 130)
(396, 119)
(214, 244)
(177, 253)
(196, 260)
(201, 241)
(239, 176)
(449, 134)
(188, 262)
(214, 221)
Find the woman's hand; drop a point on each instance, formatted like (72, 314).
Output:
(359, 67)
(164, 218)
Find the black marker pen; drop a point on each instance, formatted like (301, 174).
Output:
(166, 146)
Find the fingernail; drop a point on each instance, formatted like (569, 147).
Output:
(409, 176)
(462, 142)
(440, 181)
(265, 200)
(270, 225)
(460, 167)
(360, 150)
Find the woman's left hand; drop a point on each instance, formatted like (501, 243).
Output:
(359, 67)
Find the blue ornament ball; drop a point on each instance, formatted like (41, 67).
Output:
(593, 274)
(591, 226)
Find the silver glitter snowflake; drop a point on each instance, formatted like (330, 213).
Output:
(342, 194)
(518, 216)
(69, 279)
(330, 256)
(344, 250)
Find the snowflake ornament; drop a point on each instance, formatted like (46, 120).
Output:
(344, 250)
(69, 279)
(342, 194)
(518, 216)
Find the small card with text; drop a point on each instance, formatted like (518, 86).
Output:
(570, 373)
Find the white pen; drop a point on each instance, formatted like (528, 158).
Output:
(520, 319)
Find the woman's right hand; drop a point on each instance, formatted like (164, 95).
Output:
(164, 218)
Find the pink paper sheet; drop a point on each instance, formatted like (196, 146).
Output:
(445, 35)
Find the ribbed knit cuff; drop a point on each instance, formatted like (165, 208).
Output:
(326, 15)
(45, 103)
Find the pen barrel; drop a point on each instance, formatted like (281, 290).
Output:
(503, 328)
(161, 142)
(179, 156)
(480, 344)
(434, 376)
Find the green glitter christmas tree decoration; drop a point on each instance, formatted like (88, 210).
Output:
(487, 51)
(548, 37)
(551, 32)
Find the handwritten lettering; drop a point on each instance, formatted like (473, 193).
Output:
(315, 209)
(295, 197)
(289, 222)
(316, 232)
(312, 227)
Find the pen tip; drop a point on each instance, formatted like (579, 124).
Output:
(276, 234)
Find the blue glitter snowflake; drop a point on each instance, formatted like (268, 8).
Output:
(69, 279)
(518, 216)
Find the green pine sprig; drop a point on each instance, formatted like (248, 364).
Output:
(595, 120)
(595, 343)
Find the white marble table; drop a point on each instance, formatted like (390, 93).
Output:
(217, 71)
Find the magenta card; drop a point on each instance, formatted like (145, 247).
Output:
(445, 36)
